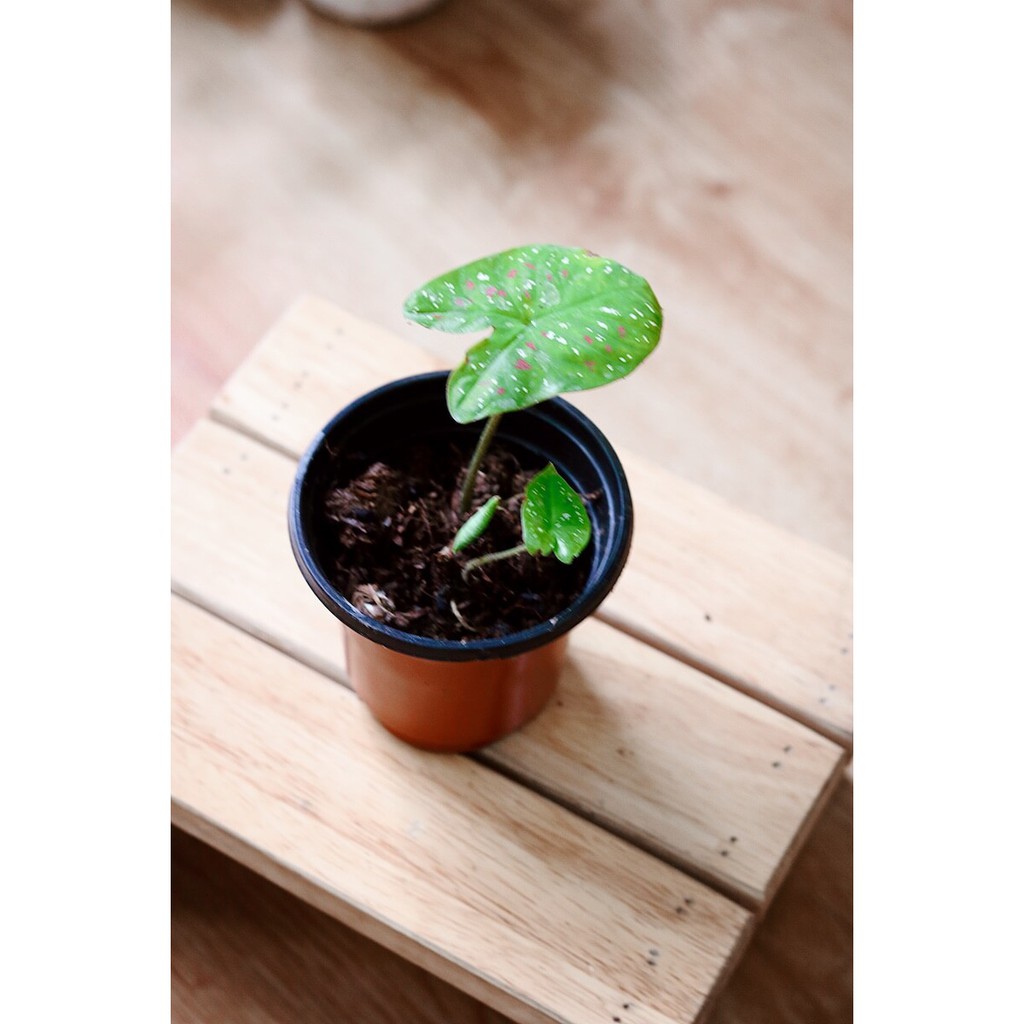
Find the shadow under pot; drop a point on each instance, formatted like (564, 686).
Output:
(456, 694)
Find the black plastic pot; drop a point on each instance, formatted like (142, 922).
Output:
(502, 675)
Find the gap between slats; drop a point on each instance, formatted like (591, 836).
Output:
(837, 736)
(481, 757)
(381, 930)
(255, 851)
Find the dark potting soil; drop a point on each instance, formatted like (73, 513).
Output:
(387, 532)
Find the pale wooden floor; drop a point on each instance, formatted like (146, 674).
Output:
(705, 144)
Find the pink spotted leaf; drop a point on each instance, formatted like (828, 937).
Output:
(562, 320)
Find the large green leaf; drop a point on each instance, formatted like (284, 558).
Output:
(563, 319)
(553, 517)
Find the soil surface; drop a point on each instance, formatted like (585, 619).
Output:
(387, 532)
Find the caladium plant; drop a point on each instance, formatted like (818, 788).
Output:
(561, 320)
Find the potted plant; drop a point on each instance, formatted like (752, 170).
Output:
(459, 558)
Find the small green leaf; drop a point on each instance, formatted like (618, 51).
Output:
(554, 517)
(475, 525)
(563, 319)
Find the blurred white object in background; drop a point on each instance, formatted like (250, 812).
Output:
(372, 12)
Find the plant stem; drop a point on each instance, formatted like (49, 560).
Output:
(494, 556)
(474, 465)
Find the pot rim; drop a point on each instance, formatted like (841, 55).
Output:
(603, 575)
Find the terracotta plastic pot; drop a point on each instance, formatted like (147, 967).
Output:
(457, 695)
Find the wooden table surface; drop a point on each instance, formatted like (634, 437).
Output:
(706, 145)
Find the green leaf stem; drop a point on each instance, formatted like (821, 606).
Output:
(474, 526)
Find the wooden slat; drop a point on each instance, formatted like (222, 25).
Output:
(452, 865)
(686, 767)
(244, 951)
(737, 597)
(689, 768)
(222, 486)
(313, 361)
(719, 588)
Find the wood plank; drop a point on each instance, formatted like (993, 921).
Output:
(763, 610)
(721, 589)
(221, 485)
(246, 952)
(440, 859)
(679, 763)
(315, 359)
(799, 966)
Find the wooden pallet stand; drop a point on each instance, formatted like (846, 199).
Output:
(615, 853)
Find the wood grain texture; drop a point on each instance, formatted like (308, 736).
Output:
(678, 762)
(764, 610)
(705, 144)
(444, 861)
(230, 549)
(767, 612)
(799, 967)
(247, 952)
